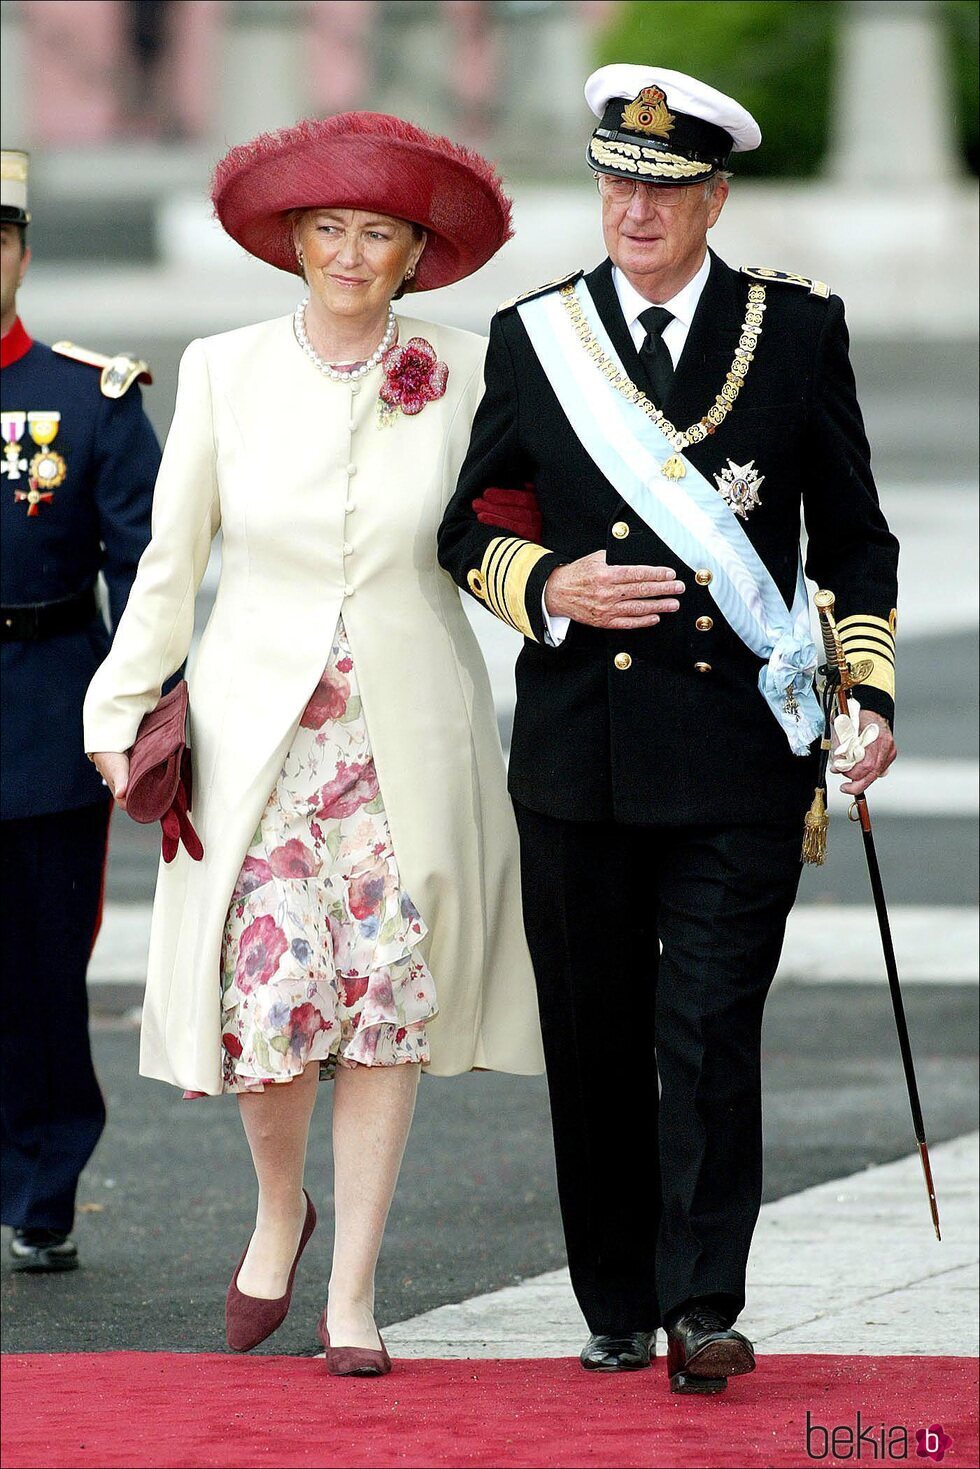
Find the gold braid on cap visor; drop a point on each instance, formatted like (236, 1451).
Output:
(634, 159)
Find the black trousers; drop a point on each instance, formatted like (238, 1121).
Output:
(659, 1193)
(51, 1108)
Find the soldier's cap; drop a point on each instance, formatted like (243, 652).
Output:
(14, 167)
(365, 160)
(663, 127)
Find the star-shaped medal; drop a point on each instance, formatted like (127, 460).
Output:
(738, 486)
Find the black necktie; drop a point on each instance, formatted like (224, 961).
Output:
(654, 355)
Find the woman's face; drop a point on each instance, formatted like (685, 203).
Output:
(354, 260)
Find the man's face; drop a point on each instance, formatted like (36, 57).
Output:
(14, 260)
(658, 230)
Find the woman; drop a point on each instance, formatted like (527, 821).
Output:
(357, 910)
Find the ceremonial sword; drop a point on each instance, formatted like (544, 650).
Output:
(841, 678)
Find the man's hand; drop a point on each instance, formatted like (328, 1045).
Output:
(877, 757)
(114, 770)
(628, 597)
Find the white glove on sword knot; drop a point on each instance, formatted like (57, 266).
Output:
(851, 740)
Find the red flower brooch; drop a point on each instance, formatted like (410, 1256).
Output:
(414, 376)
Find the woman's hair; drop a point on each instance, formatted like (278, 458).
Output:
(296, 215)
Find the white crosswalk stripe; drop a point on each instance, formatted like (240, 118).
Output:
(934, 945)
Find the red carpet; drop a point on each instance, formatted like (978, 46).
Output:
(168, 1411)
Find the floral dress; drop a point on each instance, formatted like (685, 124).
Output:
(318, 956)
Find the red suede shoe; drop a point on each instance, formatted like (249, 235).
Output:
(352, 1361)
(250, 1319)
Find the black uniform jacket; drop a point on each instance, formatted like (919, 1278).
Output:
(98, 518)
(682, 734)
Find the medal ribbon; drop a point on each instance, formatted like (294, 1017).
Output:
(630, 450)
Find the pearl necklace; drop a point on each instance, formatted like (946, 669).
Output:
(337, 373)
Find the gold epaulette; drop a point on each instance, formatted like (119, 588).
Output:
(118, 373)
(562, 280)
(869, 642)
(501, 582)
(785, 278)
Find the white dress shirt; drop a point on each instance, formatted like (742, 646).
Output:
(682, 308)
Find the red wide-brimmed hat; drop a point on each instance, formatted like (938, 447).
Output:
(365, 160)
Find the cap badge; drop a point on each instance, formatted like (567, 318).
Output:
(648, 113)
(739, 487)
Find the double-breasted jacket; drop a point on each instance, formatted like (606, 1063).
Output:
(666, 725)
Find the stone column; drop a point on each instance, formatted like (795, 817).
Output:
(892, 112)
(263, 77)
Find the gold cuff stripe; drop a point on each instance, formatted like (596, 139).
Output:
(866, 643)
(495, 572)
(882, 675)
(488, 572)
(507, 564)
(866, 620)
(873, 634)
(854, 652)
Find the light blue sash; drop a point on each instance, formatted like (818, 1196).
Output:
(689, 515)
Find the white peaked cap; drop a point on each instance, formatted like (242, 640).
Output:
(685, 94)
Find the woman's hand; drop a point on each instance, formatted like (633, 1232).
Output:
(113, 766)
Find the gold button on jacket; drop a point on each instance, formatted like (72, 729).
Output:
(703, 667)
(623, 661)
(703, 578)
(620, 530)
(704, 624)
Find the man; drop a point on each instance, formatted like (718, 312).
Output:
(671, 413)
(79, 462)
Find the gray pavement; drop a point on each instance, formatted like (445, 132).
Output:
(166, 1203)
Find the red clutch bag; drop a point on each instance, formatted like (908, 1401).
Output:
(160, 774)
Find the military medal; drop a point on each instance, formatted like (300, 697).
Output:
(34, 497)
(674, 467)
(738, 486)
(47, 468)
(12, 464)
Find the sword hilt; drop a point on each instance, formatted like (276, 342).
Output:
(824, 602)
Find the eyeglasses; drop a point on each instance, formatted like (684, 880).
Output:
(621, 191)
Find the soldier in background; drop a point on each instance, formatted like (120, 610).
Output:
(78, 466)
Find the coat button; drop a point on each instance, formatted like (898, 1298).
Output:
(623, 661)
(349, 505)
(703, 577)
(702, 667)
(705, 624)
(348, 548)
(348, 591)
(620, 530)
(352, 469)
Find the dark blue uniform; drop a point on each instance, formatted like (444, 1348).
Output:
(78, 470)
(659, 807)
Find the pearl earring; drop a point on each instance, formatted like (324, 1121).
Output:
(410, 272)
(299, 259)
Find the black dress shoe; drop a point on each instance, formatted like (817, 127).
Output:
(703, 1352)
(43, 1251)
(626, 1351)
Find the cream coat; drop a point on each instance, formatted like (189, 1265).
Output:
(322, 510)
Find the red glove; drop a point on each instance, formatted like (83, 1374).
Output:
(513, 510)
(176, 823)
